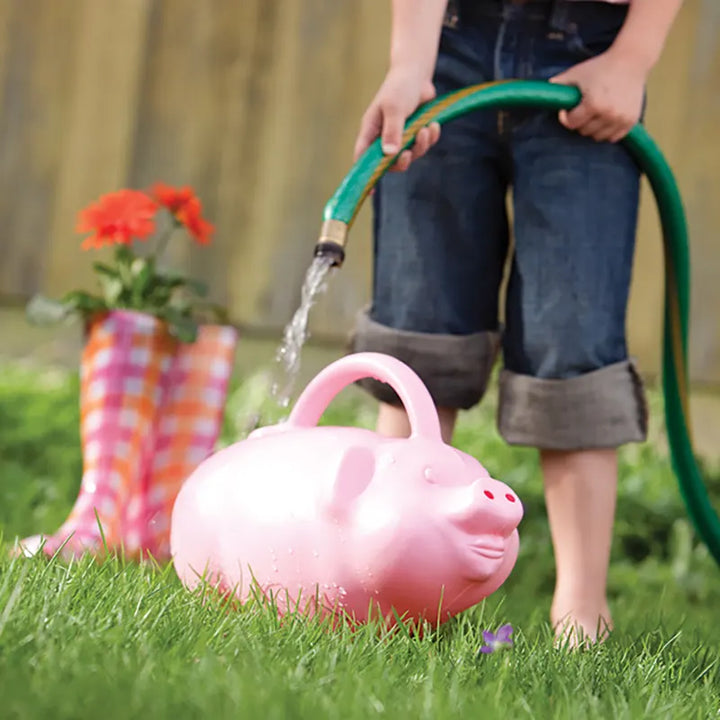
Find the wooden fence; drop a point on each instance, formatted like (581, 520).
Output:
(255, 103)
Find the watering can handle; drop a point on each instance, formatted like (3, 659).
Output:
(329, 382)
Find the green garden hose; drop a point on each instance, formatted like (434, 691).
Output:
(343, 206)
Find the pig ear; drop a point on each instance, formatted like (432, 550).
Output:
(353, 475)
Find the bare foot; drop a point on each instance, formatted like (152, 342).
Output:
(580, 629)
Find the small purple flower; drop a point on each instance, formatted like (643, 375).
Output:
(497, 641)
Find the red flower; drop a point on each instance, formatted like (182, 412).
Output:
(117, 218)
(174, 199)
(186, 208)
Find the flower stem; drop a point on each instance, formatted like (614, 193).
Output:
(164, 239)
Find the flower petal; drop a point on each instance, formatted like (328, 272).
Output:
(504, 633)
(118, 218)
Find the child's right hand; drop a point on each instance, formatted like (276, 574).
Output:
(402, 91)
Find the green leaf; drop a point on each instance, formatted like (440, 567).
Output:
(42, 310)
(181, 305)
(159, 296)
(103, 269)
(112, 288)
(83, 302)
(180, 281)
(180, 325)
(169, 283)
(186, 332)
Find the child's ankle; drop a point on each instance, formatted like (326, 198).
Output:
(581, 623)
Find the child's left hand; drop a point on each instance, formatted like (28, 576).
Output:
(613, 88)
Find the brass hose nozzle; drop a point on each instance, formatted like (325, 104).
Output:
(331, 243)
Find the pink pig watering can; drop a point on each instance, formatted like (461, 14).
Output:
(343, 521)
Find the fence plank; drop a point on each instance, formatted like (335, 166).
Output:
(96, 147)
(35, 66)
(311, 117)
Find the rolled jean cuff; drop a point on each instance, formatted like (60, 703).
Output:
(604, 408)
(454, 368)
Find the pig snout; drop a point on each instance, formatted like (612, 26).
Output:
(483, 517)
(486, 507)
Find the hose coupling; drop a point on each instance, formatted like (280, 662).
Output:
(331, 243)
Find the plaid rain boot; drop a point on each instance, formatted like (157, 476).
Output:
(123, 368)
(189, 423)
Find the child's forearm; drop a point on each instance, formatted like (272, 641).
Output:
(416, 26)
(646, 29)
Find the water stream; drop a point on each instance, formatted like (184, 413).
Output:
(296, 333)
(287, 358)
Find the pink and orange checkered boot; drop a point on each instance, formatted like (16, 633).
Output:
(189, 423)
(124, 363)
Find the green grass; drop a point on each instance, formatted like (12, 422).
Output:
(122, 641)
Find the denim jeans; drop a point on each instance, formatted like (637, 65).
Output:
(442, 239)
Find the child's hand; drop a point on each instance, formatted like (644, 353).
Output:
(613, 88)
(399, 95)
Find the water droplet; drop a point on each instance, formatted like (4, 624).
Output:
(428, 473)
(291, 551)
(275, 568)
(316, 553)
(342, 591)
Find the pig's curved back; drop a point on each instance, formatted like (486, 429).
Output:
(412, 392)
